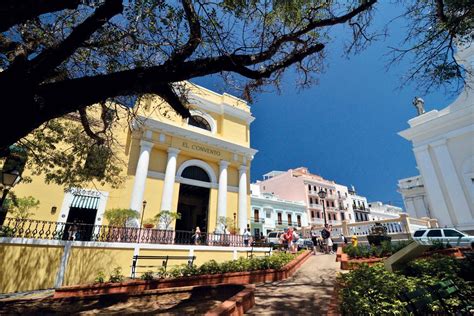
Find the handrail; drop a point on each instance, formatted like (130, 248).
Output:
(38, 229)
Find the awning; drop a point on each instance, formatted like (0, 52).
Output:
(84, 201)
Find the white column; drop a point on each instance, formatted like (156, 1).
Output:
(170, 175)
(242, 198)
(433, 188)
(222, 194)
(140, 178)
(453, 185)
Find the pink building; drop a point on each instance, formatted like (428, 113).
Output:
(300, 185)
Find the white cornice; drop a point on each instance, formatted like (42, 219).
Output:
(220, 108)
(201, 138)
(447, 121)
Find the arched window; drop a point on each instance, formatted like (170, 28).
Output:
(199, 121)
(195, 173)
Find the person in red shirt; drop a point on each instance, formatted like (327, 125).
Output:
(289, 238)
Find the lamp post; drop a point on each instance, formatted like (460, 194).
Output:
(9, 179)
(322, 195)
(143, 213)
(235, 224)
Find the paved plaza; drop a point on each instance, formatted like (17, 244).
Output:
(307, 292)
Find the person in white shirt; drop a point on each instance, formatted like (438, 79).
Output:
(247, 236)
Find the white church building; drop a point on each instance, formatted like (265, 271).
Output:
(443, 143)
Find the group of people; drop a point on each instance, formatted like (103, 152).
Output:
(324, 240)
(289, 239)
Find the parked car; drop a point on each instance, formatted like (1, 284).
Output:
(305, 244)
(274, 237)
(450, 236)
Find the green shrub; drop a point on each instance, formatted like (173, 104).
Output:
(372, 291)
(6, 231)
(100, 277)
(148, 276)
(375, 291)
(384, 250)
(210, 267)
(116, 275)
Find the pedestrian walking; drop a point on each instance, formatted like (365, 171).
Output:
(247, 235)
(326, 235)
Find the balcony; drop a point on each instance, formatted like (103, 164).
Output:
(317, 221)
(257, 220)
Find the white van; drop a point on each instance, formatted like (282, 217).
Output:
(445, 235)
(274, 237)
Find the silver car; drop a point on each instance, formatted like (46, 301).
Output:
(450, 236)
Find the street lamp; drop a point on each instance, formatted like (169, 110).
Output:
(9, 179)
(235, 224)
(143, 213)
(322, 195)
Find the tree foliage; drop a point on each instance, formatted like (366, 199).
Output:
(119, 216)
(437, 29)
(67, 55)
(23, 207)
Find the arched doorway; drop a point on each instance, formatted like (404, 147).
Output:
(193, 202)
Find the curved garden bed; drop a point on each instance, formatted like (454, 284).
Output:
(242, 277)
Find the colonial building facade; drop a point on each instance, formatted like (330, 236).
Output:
(301, 185)
(270, 213)
(381, 211)
(443, 143)
(198, 167)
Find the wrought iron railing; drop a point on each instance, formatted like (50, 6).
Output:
(37, 229)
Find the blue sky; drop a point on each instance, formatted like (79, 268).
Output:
(345, 128)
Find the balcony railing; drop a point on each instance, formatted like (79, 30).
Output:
(257, 219)
(37, 229)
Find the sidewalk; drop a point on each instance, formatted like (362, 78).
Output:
(307, 292)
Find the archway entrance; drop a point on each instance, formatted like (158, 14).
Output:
(193, 202)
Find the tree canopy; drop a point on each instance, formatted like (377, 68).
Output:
(436, 30)
(61, 56)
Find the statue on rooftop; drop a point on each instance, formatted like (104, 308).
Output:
(419, 103)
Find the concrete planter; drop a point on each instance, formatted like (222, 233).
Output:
(136, 286)
(455, 252)
(351, 264)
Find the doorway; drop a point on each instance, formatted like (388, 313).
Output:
(84, 219)
(193, 204)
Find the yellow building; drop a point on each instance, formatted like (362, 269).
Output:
(198, 167)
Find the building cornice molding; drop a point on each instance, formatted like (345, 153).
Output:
(198, 137)
(446, 122)
(222, 108)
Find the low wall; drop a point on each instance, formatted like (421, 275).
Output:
(33, 264)
(137, 286)
(232, 299)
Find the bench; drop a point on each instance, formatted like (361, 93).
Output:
(258, 244)
(164, 264)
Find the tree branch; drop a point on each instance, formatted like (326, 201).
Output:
(14, 12)
(195, 36)
(52, 57)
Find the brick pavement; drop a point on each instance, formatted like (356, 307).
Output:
(307, 292)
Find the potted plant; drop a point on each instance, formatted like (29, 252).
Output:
(165, 218)
(119, 217)
(149, 223)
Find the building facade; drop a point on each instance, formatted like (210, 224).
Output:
(198, 167)
(300, 185)
(359, 206)
(270, 213)
(381, 211)
(443, 143)
(414, 197)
